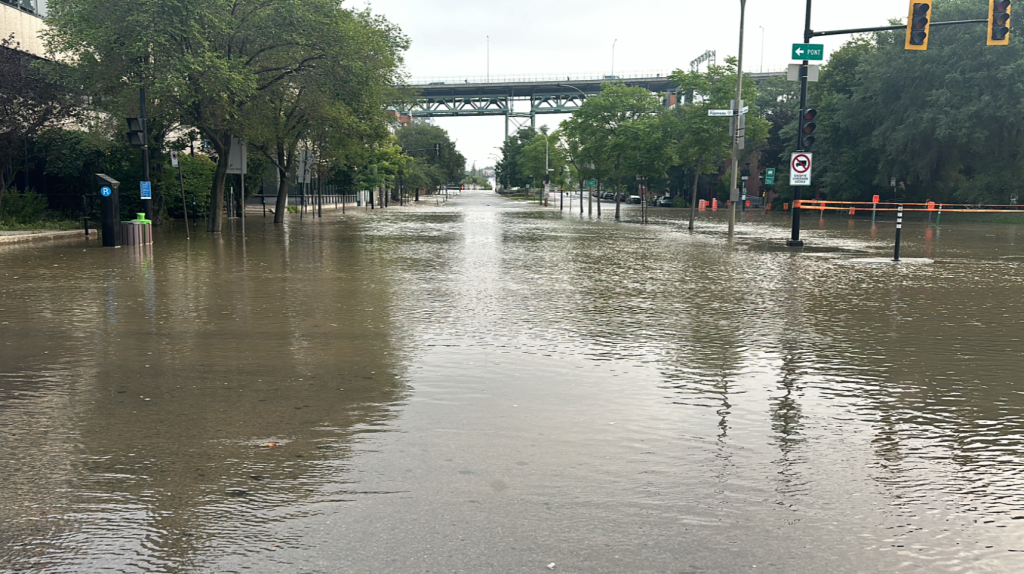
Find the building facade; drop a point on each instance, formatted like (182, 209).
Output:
(24, 20)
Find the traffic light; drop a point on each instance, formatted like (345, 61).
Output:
(136, 132)
(807, 127)
(998, 22)
(918, 24)
(437, 150)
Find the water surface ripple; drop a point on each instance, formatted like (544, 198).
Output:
(488, 386)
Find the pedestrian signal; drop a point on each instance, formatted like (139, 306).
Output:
(918, 24)
(998, 22)
(807, 127)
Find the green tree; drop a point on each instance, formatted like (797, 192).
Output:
(946, 122)
(703, 142)
(30, 103)
(508, 168)
(209, 61)
(596, 131)
(446, 164)
(540, 153)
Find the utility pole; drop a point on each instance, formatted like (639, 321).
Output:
(734, 193)
(488, 59)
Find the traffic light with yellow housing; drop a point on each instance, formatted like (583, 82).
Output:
(998, 22)
(918, 24)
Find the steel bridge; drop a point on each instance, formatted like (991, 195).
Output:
(463, 97)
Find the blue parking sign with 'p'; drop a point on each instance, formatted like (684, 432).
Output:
(147, 189)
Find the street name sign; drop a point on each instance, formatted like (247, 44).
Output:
(727, 113)
(808, 51)
(591, 182)
(769, 176)
(800, 169)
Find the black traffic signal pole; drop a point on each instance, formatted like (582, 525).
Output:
(794, 240)
(808, 34)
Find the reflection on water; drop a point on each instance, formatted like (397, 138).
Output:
(491, 387)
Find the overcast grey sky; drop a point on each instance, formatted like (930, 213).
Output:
(575, 37)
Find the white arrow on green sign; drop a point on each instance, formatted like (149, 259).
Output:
(808, 51)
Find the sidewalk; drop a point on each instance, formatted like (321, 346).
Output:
(38, 235)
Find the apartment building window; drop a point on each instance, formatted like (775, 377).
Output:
(37, 7)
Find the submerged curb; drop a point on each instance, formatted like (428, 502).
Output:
(20, 237)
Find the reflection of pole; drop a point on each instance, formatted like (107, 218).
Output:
(734, 194)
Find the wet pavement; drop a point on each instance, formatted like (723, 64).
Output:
(489, 386)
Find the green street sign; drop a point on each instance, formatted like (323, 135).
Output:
(808, 51)
(769, 176)
(591, 182)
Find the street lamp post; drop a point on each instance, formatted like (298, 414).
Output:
(734, 192)
(613, 55)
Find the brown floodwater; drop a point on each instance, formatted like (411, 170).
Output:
(488, 386)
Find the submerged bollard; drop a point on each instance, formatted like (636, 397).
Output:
(899, 227)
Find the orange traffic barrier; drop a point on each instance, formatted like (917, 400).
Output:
(853, 210)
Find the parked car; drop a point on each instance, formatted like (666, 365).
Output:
(634, 199)
(663, 201)
(608, 196)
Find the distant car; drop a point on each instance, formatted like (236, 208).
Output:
(608, 196)
(634, 199)
(663, 201)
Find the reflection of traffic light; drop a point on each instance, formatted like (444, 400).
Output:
(998, 22)
(918, 24)
(136, 132)
(807, 127)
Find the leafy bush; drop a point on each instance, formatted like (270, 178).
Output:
(22, 208)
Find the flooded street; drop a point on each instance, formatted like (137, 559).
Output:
(488, 386)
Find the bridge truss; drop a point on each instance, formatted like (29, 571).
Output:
(482, 97)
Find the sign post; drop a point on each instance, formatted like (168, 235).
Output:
(800, 169)
(181, 179)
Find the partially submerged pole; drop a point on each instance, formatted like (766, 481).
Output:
(899, 228)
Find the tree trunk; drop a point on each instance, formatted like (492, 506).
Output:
(281, 208)
(618, 197)
(216, 216)
(693, 194)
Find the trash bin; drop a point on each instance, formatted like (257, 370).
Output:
(138, 231)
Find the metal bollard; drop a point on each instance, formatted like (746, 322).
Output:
(899, 227)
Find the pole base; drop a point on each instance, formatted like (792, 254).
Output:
(794, 244)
